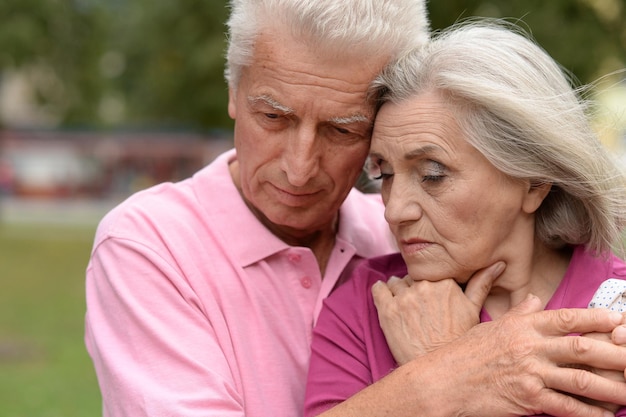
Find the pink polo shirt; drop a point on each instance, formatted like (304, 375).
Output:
(195, 309)
(349, 348)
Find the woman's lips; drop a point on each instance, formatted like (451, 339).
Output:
(414, 245)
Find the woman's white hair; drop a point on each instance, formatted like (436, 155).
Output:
(518, 107)
(370, 27)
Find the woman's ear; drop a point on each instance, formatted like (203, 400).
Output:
(537, 192)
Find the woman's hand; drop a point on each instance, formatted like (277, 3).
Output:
(417, 317)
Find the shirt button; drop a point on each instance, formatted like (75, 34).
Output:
(306, 282)
(294, 257)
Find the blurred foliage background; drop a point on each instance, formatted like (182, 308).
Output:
(159, 63)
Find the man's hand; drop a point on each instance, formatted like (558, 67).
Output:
(418, 317)
(512, 366)
(509, 367)
(617, 336)
(505, 368)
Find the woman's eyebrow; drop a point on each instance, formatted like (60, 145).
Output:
(421, 151)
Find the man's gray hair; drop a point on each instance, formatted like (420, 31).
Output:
(361, 27)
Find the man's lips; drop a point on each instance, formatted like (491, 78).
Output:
(294, 198)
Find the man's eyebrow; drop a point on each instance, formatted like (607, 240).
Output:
(265, 99)
(355, 118)
(270, 101)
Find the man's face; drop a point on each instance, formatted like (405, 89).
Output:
(302, 132)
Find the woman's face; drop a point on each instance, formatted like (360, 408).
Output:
(451, 211)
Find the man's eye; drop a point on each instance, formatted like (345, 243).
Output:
(272, 115)
(374, 169)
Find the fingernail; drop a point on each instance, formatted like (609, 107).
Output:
(497, 270)
(619, 335)
(615, 317)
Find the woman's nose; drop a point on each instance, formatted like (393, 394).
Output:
(402, 203)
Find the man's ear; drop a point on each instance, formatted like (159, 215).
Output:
(232, 106)
(537, 192)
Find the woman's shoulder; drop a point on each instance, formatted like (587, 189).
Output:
(368, 272)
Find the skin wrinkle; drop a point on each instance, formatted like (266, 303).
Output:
(302, 156)
(451, 211)
(286, 110)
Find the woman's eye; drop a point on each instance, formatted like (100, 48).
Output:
(432, 178)
(435, 173)
(345, 135)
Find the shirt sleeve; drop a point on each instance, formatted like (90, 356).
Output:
(611, 295)
(155, 352)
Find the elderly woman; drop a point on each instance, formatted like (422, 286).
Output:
(486, 157)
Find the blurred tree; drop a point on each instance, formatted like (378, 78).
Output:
(55, 46)
(160, 62)
(174, 62)
(587, 37)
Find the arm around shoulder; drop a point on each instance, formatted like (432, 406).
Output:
(503, 368)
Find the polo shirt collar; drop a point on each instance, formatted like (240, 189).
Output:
(248, 240)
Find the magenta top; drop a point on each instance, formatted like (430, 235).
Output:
(349, 348)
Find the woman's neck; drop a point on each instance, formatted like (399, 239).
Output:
(539, 274)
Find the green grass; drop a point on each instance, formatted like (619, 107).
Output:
(44, 368)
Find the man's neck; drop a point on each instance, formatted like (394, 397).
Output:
(321, 241)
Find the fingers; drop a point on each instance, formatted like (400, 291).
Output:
(479, 285)
(618, 335)
(576, 320)
(561, 405)
(587, 351)
(397, 284)
(381, 294)
(584, 384)
(531, 304)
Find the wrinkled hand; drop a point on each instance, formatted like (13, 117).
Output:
(512, 366)
(617, 336)
(418, 317)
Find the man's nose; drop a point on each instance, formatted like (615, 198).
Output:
(301, 159)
